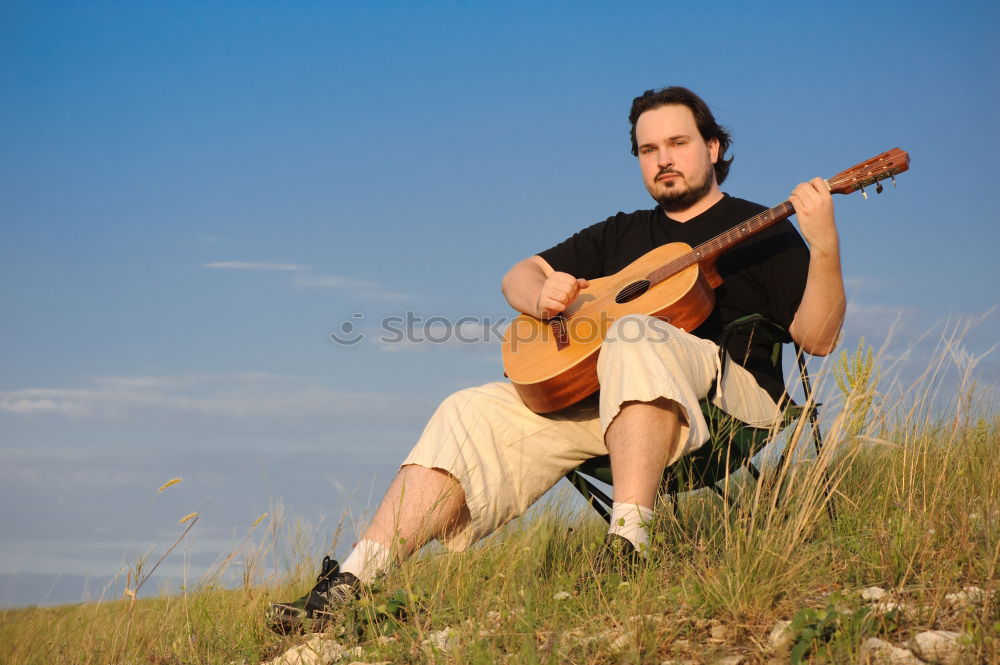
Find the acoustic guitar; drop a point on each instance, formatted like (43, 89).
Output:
(553, 363)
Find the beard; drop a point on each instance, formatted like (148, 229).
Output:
(676, 198)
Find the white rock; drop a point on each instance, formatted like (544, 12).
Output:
(319, 650)
(732, 659)
(873, 593)
(619, 643)
(719, 631)
(975, 593)
(577, 637)
(653, 618)
(880, 652)
(969, 596)
(940, 647)
(562, 595)
(781, 636)
(444, 640)
(887, 606)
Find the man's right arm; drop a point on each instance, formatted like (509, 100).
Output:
(534, 288)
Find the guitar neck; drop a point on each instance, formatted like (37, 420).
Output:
(709, 250)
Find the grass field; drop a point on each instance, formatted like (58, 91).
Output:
(915, 480)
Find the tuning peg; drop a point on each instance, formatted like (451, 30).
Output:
(864, 194)
(893, 180)
(878, 188)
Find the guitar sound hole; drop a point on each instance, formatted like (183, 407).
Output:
(632, 291)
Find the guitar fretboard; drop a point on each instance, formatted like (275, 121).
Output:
(710, 249)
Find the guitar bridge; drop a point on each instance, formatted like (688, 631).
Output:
(559, 332)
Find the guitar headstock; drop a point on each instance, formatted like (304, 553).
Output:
(870, 172)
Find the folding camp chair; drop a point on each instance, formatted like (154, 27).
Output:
(731, 443)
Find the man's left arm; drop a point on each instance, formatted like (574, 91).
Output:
(816, 325)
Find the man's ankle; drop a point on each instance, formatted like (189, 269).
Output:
(632, 521)
(367, 560)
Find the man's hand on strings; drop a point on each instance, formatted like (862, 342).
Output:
(558, 291)
(814, 210)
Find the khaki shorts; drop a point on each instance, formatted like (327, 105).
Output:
(505, 456)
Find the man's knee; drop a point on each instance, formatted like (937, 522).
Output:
(664, 406)
(461, 401)
(636, 339)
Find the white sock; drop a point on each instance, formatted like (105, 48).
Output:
(631, 521)
(367, 560)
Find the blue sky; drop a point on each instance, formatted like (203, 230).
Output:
(193, 196)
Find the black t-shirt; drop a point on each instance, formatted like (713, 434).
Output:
(765, 274)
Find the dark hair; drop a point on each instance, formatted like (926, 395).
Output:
(709, 128)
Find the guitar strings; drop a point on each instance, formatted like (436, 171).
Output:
(688, 259)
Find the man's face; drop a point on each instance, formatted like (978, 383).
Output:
(676, 163)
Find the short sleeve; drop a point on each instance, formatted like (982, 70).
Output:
(582, 254)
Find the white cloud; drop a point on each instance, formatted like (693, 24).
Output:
(881, 312)
(243, 398)
(27, 406)
(190, 379)
(883, 323)
(333, 282)
(252, 265)
(357, 287)
(307, 279)
(860, 284)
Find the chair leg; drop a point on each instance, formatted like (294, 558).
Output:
(597, 499)
(752, 470)
(818, 444)
(816, 434)
(675, 502)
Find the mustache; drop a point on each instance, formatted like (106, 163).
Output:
(667, 170)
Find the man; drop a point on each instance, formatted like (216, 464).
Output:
(484, 458)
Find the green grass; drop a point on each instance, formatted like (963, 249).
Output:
(916, 490)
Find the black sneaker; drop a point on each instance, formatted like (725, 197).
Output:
(333, 591)
(618, 555)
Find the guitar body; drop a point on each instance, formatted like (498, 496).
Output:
(553, 364)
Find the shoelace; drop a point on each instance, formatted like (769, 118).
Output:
(329, 570)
